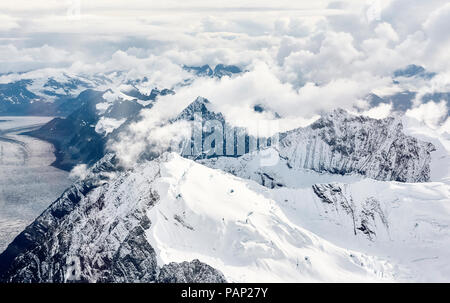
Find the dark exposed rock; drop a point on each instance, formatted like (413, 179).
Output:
(95, 232)
(190, 272)
(364, 216)
(341, 143)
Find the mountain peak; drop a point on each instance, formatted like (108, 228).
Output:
(219, 71)
(413, 70)
(201, 106)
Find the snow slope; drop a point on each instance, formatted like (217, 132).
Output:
(404, 223)
(170, 210)
(407, 224)
(234, 226)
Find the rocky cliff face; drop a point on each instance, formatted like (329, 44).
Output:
(95, 232)
(367, 216)
(337, 144)
(341, 143)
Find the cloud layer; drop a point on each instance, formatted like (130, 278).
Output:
(301, 58)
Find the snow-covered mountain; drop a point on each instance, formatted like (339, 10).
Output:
(316, 214)
(53, 92)
(80, 138)
(36, 94)
(142, 224)
(347, 198)
(413, 70)
(162, 217)
(337, 143)
(43, 92)
(91, 118)
(343, 143)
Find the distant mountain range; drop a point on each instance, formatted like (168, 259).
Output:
(77, 100)
(28, 94)
(403, 100)
(219, 71)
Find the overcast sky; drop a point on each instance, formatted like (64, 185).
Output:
(334, 51)
(58, 33)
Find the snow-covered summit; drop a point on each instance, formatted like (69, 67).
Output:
(339, 143)
(344, 143)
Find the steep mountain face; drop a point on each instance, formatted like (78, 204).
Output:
(341, 143)
(154, 93)
(154, 223)
(17, 92)
(202, 71)
(309, 216)
(96, 232)
(16, 99)
(233, 142)
(59, 94)
(199, 106)
(317, 206)
(81, 137)
(226, 70)
(51, 93)
(74, 137)
(401, 101)
(175, 220)
(338, 143)
(406, 224)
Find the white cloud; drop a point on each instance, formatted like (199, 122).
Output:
(432, 114)
(303, 57)
(79, 172)
(8, 23)
(21, 59)
(150, 136)
(436, 28)
(385, 31)
(381, 111)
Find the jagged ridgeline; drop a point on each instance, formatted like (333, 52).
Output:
(342, 143)
(213, 136)
(96, 230)
(337, 143)
(87, 236)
